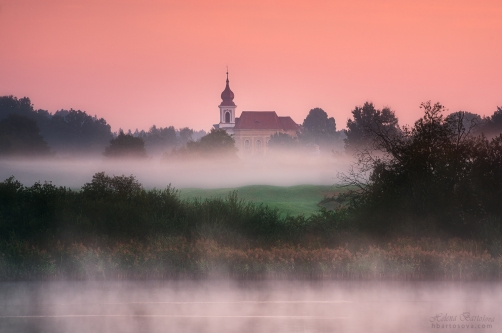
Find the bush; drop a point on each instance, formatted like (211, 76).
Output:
(120, 208)
(434, 177)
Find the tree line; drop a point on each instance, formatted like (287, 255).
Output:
(25, 131)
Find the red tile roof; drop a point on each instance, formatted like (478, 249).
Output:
(264, 120)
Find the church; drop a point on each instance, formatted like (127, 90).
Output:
(252, 130)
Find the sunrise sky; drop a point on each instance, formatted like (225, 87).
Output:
(143, 62)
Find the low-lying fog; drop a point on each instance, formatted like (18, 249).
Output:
(280, 171)
(280, 306)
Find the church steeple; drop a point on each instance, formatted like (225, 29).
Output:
(227, 95)
(227, 108)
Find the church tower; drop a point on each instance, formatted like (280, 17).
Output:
(227, 110)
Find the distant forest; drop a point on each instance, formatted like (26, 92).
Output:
(25, 130)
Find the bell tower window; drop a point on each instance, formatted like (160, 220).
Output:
(227, 117)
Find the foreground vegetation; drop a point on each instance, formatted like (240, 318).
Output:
(114, 229)
(174, 257)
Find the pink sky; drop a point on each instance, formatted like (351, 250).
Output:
(138, 63)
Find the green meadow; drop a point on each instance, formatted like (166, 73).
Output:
(293, 200)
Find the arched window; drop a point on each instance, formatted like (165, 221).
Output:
(227, 117)
(258, 144)
(246, 145)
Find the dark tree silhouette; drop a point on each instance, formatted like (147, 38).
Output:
(20, 136)
(23, 107)
(68, 131)
(433, 177)
(103, 185)
(158, 139)
(216, 144)
(493, 124)
(318, 129)
(12, 105)
(185, 135)
(366, 120)
(468, 121)
(75, 130)
(125, 145)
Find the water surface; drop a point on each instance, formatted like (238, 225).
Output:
(229, 306)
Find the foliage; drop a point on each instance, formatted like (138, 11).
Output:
(158, 139)
(19, 136)
(216, 144)
(22, 107)
(366, 120)
(430, 178)
(318, 129)
(469, 122)
(66, 131)
(493, 124)
(103, 186)
(119, 208)
(70, 130)
(283, 142)
(113, 228)
(185, 135)
(125, 145)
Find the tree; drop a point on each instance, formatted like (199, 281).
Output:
(493, 124)
(76, 131)
(318, 129)
(468, 121)
(20, 136)
(66, 131)
(12, 105)
(158, 139)
(428, 178)
(216, 144)
(185, 135)
(366, 120)
(23, 107)
(283, 142)
(103, 185)
(126, 145)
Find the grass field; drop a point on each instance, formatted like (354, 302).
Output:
(294, 200)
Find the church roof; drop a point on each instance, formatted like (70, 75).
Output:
(267, 120)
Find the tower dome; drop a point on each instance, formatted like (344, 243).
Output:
(227, 96)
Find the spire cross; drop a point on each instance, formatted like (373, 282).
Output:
(227, 73)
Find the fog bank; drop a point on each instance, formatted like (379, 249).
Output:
(200, 173)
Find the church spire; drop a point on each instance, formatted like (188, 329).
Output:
(227, 95)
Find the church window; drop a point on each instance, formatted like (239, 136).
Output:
(258, 144)
(227, 117)
(247, 145)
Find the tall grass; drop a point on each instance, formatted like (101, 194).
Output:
(174, 257)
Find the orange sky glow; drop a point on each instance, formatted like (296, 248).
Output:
(138, 63)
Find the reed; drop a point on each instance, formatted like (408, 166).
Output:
(175, 257)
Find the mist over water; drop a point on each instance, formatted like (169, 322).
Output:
(230, 306)
(283, 170)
